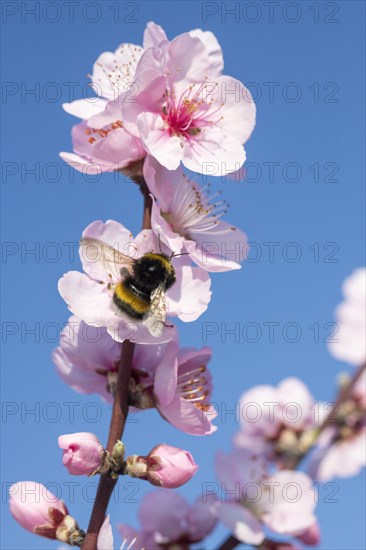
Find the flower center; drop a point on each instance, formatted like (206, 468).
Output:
(140, 391)
(181, 119)
(188, 114)
(111, 375)
(192, 209)
(194, 386)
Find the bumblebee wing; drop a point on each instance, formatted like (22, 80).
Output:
(111, 259)
(156, 316)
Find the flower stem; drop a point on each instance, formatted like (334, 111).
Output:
(146, 217)
(231, 542)
(117, 424)
(342, 396)
(120, 409)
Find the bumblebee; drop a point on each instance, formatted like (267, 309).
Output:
(142, 283)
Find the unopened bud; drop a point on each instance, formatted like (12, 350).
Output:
(165, 466)
(83, 453)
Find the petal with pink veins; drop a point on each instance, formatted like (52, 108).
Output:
(112, 111)
(150, 88)
(212, 51)
(220, 248)
(83, 165)
(154, 36)
(105, 537)
(192, 58)
(112, 150)
(155, 136)
(190, 304)
(212, 148)
(238, 110)
(161, 182)
(191, 358)
(161, 227)
(87, 299)
(186, 417)
(165, 381)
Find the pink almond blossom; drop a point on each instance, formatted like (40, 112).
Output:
(185, 110)
(278, 420)
(187, 220)
(105, 146)
(168, 520)
(82, 453)
(105, 149)
(101, 142)
(283, 502)
(350, 340)
(164, 466)
(89, 295)
(175, 381)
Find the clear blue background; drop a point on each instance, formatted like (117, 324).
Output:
(323, 45)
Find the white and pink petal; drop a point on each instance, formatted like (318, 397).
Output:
(189, 297)
(241, 522)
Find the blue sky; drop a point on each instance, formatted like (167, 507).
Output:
(304, 63)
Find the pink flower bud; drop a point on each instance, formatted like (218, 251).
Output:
(36, 509)
(311, 536)
(164, 466)
(83, 453)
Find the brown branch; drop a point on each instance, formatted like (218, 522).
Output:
(146, 218)
(117, 424)
(120, 409)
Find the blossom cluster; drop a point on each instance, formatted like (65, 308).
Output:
(168, 100)
(161, 109)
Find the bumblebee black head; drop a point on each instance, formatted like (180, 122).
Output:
(153, 269)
